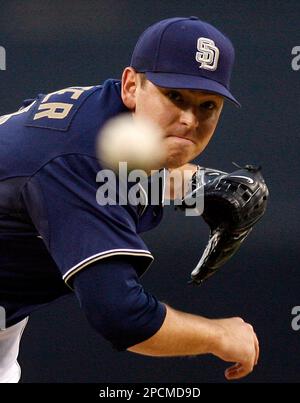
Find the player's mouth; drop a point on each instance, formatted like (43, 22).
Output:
(182, 140)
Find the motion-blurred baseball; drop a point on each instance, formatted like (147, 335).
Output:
(137, 141)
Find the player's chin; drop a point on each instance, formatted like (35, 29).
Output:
(180, 155)
(177, 159)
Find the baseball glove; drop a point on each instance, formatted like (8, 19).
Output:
(233, 203)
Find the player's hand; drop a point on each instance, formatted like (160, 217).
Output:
(237, 343)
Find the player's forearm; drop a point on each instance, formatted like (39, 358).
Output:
(181, 334)
(230, 339)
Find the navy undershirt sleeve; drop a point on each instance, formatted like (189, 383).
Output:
(115, 303)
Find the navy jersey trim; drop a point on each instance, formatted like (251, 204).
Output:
(102, 255)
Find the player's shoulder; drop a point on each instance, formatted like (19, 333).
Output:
(74, 107)
(58, 109)
(61, 122)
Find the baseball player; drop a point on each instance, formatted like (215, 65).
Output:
(55, 238)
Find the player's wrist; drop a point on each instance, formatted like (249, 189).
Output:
(214, 336)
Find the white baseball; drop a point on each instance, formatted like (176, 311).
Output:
(137, 141)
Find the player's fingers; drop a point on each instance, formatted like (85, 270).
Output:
(232, 371)
(237, 371)
(234, 367)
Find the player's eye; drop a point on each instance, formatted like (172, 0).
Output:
(208, 105)
(174, 96)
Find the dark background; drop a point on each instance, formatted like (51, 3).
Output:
(55, 44)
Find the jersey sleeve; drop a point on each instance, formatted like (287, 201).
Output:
(61, 201)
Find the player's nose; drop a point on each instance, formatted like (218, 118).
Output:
(190, 118)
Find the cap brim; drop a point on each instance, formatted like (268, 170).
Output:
(188, 82)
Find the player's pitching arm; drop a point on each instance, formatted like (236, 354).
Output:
(183, 334)
(132, 319)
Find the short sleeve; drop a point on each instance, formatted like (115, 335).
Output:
(61, 201)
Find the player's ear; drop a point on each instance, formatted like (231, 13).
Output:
(129, 87)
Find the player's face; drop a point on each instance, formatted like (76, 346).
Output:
(187, 118)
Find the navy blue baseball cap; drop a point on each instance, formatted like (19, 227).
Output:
(185, 53)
